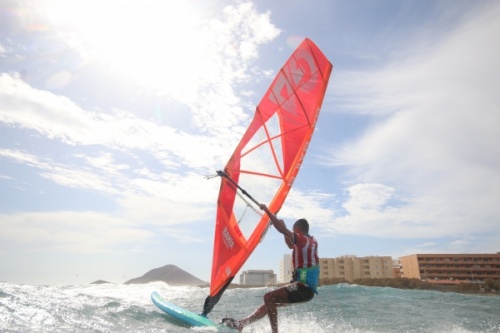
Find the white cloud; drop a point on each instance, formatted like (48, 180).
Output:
(212, 101)
(256, 28)
(145, 197)
(232, 45)
(57, 117)
(173, 199)
(3, 50)
(153, 173)
(68, 232)
(315, 206)
(368, 197)
(434, 138)
(460, 243)
(65, 175)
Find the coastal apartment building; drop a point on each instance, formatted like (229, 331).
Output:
(351, 268)
(257, 278)
(465, 267)
(396, 268)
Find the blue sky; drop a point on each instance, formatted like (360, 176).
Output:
(112, 112)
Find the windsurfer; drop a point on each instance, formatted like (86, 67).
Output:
(305, 279)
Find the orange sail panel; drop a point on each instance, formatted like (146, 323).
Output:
(266, 161)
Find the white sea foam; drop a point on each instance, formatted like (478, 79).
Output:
(340, 308)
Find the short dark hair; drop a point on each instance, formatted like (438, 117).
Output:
(303, 225)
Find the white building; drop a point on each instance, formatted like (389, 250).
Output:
(286, 269)
(257, 278)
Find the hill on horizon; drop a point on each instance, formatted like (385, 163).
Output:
(169, 274)
(100, 282)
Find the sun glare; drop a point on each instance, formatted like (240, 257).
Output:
(156, 42)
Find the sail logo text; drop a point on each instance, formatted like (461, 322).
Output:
(227, 238)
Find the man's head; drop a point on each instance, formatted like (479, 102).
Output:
(301, 226)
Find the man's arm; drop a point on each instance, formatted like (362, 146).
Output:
(279, 225)
(289, 241)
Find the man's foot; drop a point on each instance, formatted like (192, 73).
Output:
(232, 323)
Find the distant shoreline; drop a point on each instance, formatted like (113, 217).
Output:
(404, 283)
(491, 287)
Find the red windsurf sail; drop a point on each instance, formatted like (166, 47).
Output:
(266, 162)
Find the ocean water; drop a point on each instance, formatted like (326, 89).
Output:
(338, 308)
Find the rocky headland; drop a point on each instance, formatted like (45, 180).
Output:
(169, 274)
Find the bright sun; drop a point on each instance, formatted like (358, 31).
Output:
(157, 42)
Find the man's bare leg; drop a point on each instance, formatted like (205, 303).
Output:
(272, 300)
